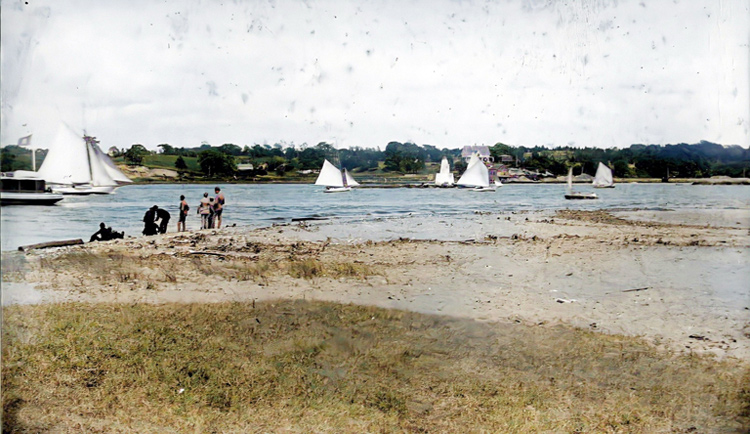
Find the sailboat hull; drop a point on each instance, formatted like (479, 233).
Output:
(490, 188)
(574, 196)
(82, 190)
(604, 186)
(337, 189)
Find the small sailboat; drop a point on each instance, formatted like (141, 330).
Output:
(75, 166)
(570, 194)
(603, 177)
(476, 176)
(444, 178)
(334, 179)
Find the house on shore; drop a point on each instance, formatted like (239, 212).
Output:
(482, 151)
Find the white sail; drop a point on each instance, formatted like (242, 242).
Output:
(570, 180)
(603, 177)
(110, 166)
(444, 177)
(67, 161)
(330, 176)
(476, 174)
(350, 182)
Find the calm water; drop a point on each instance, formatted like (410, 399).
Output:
(262, 205)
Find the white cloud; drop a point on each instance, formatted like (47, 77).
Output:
(449, 73)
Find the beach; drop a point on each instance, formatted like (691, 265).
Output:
(676, 278)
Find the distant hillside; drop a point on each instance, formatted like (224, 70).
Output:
(699, 160)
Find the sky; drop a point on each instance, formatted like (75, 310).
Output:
(449, 73)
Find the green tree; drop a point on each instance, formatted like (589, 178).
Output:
(215, 163)
(167, 149)
(134, 156)
(230, 149)
(180, 163)
(8, 161)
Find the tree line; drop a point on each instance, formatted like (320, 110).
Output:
(703, 159)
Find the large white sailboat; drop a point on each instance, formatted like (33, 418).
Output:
(603, 177)
(75, 166)
(476, 176)
(444, 178)
(334, 179)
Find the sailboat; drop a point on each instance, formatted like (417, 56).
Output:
(74, 166)
(334, 179)
(444, 178)
(476, 176)
(570, 194)
(603, 177)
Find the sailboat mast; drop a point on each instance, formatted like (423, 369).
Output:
(88, 157)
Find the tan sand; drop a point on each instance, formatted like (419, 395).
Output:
(679, 280)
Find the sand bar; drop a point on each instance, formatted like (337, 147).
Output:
(678, 279)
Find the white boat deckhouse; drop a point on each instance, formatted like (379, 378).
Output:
(75, 166)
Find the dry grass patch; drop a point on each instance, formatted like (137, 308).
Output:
(322, 367)
(312, 268)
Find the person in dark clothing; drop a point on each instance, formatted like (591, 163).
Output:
(164, 216)
(105, 234)
(149, 221)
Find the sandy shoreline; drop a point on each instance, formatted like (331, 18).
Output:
(678, 279)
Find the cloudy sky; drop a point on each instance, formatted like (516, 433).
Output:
(449, 73)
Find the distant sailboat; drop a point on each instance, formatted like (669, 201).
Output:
(603, 177)
(334, 179)
(570, 194)
(444, 178)
(476, 176)
(73, 166)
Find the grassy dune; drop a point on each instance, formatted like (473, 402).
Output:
(321, 367)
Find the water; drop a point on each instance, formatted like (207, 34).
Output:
(253, 205)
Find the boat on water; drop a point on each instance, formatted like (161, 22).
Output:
(603, 177)
(571, 194)
(444, 178)
(335, 180)
(74, 165)
(477, 176)
(25, 188)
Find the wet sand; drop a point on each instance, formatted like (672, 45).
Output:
(678, 279)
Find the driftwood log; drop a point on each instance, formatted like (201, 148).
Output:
(48, 244)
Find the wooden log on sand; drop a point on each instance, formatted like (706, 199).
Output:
(48, 244)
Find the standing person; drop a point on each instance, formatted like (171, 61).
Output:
(204, 210)
(212, 214)
(164, 216)
(219, 206)
(149, 221)
(184, 208)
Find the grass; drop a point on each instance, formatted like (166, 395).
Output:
(322, 367)
(82, 269)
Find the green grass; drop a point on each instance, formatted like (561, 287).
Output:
(161, 161)
(289, 366)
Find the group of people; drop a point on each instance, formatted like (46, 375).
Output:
(209, 209)
(152, 216)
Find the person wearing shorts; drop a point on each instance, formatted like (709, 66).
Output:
(218, 206)
(204, 210)
(184, 208)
